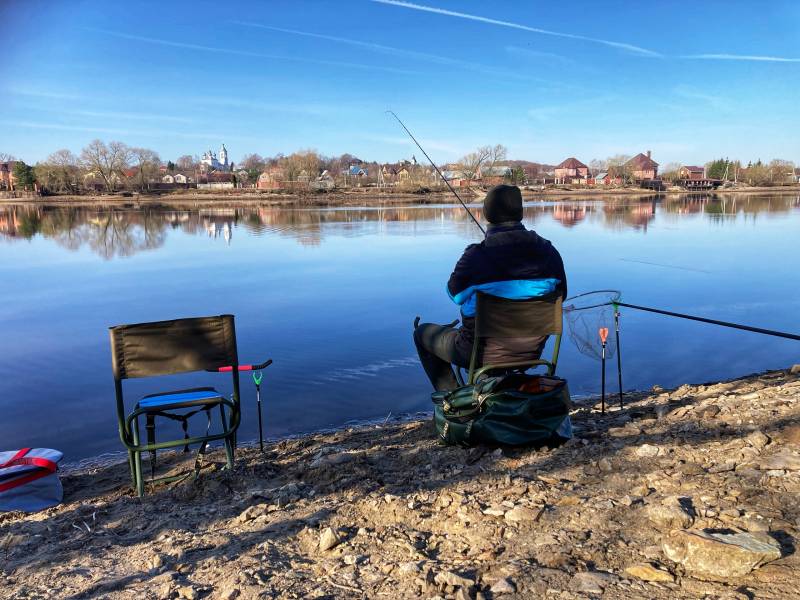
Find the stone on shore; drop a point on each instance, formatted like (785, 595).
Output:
(647, 572)
(720, 556)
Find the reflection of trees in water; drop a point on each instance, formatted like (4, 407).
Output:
(115, 232)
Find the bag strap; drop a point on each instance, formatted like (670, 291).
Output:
(19, 459)
(46, 467)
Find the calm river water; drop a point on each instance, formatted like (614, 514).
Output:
(331, 294)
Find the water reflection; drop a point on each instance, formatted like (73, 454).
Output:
(113, 232)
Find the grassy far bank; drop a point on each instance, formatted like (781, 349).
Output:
(367, 196)
(684, 493)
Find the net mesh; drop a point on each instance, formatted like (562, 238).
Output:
(587, 314)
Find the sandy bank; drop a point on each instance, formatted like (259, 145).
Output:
(383, 511)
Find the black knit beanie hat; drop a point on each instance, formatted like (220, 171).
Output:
(503, 203)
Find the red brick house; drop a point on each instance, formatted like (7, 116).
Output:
(570, 169)
(691, 172)
(7, 179)
(642, 166)
(271, 179)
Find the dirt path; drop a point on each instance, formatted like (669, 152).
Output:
(683, 494)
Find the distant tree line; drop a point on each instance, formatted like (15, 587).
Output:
(115, 165)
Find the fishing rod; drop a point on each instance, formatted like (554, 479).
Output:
(433, 164)
(782, 334)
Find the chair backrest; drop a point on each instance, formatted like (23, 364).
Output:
(177, 346)
(500, 318)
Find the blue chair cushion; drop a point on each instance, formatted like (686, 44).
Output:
(181, 398)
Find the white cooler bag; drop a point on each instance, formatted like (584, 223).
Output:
(28, 479)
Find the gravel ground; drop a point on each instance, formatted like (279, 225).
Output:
(685, 493)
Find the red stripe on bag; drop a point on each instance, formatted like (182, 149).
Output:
(17, 456)
(47, 468)
(10, 485)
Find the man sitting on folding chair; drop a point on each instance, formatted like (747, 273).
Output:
(512, 263)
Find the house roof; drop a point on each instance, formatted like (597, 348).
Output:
(602, 175)
(572, 163)
(641, 162)
(496, 171)
(694, 169)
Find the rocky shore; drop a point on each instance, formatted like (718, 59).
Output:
(685, 493)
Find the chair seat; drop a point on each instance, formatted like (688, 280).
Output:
(181, 399)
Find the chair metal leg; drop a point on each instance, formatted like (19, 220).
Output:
(132, 467)
(137, 460)
(229, 444)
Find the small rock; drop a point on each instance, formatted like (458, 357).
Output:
(647, 572)
(791, 434)
(647, 451)
(187, 592)
(795, 370)
(604, 464)
(328, 539)
(520, 514)
(670, 514)
(720, 556)
(503, 586)
(409, 568)
(591, 582)
(495, 511)
(758, 440)
(784, 460)
(156, 562)
(454, 579)
(230, 593)
(251, 512)
(709, 412)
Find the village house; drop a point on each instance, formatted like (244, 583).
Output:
(691, 172)
(570, 170)
(271, 179)
(494, 175)
(7, 179)
(455, 177)
(642, 166)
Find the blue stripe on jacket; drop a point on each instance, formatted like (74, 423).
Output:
(514, 289)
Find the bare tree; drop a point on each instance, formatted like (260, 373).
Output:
(497, 153)
(597, 166)
(107, 162)
(252, 162)
(5, 157)
(618, 167)
(303, 161)
(59, 172)
(472, 162)
(185, 162)
(148, 163)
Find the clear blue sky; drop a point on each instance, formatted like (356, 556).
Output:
(688, 80)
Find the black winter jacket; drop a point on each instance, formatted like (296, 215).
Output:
(510, 253)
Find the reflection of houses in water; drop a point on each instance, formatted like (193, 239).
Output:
(569, 215)
(10, 222)
(114, 231)
(637, 215)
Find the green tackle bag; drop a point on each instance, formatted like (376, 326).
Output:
(510, 410)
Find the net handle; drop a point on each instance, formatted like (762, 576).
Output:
(617, 296)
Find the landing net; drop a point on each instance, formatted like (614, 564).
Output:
(586, 315)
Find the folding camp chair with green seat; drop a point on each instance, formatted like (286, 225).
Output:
(500, 318)
(167, 348)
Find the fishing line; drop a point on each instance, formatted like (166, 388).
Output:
(447, 183)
